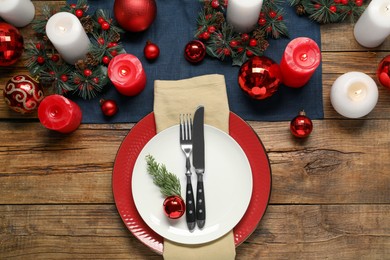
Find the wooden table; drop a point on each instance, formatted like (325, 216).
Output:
(330, 193)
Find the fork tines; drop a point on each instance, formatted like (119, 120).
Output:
(185, 127)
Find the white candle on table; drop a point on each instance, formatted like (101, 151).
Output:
(19, 13)
(68, 36)
(373, 26)
(243, 14)
(354, 94)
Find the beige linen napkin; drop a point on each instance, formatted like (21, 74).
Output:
(171, 98)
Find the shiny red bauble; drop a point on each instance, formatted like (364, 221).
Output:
(23, 94)
(174, 207)
(11, 44)
(259, 77)
(109, 107)
(383, 72)
(301, 126)
(194, 51)
(151, 51)
(135, 15)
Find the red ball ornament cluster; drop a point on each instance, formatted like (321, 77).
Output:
(301, 126)
(12, 44)
(23, 94)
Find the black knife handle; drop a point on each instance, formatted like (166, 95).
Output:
(200, 203)
(190, 205)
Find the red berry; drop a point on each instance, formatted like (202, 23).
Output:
(151, 51)
(96, 80)
(101, 20)
(106, 60)
(205, 36)
(39, 46)
(87, 72)
(55, 58)
(64, 78)
(268, 29)
(73, 6)
(211, 29)
(317, 6)
(40, 60)
(79, 13)
(272, 14)
(249, 53)
(114, 53)
(226, 52)
(333, 8)
(280, 18)
(262, 21)
(215, 4)
(100, 41)
(105, 26)
(244, 37)
(112, 44)
(233, 43)
(174, 207)
(344, 2)
(252, 42)
(359, 2)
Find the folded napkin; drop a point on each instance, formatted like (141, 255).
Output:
(171, 98)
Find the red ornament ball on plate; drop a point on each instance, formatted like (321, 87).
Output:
(11, 44)
(109, 107)
(135, 15)
(260, 77)
(301, 126)
(174, 207)
(23, 94)
(194, 51)
(383, 72)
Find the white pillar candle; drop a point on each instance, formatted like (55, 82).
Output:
(354, 94)
(19, 13)
(243, 14)
(373, 26)
(66, 33)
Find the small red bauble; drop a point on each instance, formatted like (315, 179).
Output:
(135, 15)
(109, 107)
(194, 51)
(151, 51)
(23, 94)
(383, 72)
(79, 13)
(260, 77)
(11, 42)
(174, 207)
(301, 126)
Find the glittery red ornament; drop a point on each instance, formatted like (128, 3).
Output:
(135, 15)
(109, 107)
(194, 51)
(151, 51)
(383, 72)
(301, 126)
(23, 94)
(11, 44)
(174, 207)
(259, 77)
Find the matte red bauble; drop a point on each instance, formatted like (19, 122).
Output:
(135, 15)
(23, 94)
(174, 207)
(383, 72)
(194, 51)
(301, 126)
(11, 44)
(151, 51)
(260, 77)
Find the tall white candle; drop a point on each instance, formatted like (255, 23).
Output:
(354, 94)
(373, 26)
(68, 36)
(243, 14)
(17, 12)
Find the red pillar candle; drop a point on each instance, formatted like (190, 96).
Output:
(127, 74)
(59, 113)
(301, 58)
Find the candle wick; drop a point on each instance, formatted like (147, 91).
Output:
(62, 28)
(304, 57)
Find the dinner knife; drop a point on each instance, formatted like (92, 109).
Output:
(198, 161)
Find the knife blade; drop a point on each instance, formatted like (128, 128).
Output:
(198, 161)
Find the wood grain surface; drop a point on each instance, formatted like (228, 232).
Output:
(330, 193)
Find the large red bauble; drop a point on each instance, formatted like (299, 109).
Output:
(23, 94)
(260, 77)
(383, 72)
(11, 44)
(135, 15)
(174, 207)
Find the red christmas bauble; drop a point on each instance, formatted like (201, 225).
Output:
(383, 72)
(109, 107)
(174, 207)
(23, 94)
(194, 51)
(151, 51)
(260, 77)
(301, 126)
(135, 15)
(11, 44)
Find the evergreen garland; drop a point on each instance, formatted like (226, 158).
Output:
(330, 11)
(86, 77)
(223, 42)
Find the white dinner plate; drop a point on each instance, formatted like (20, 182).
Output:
(227, 185)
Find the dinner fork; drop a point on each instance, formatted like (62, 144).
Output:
(186, 146)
